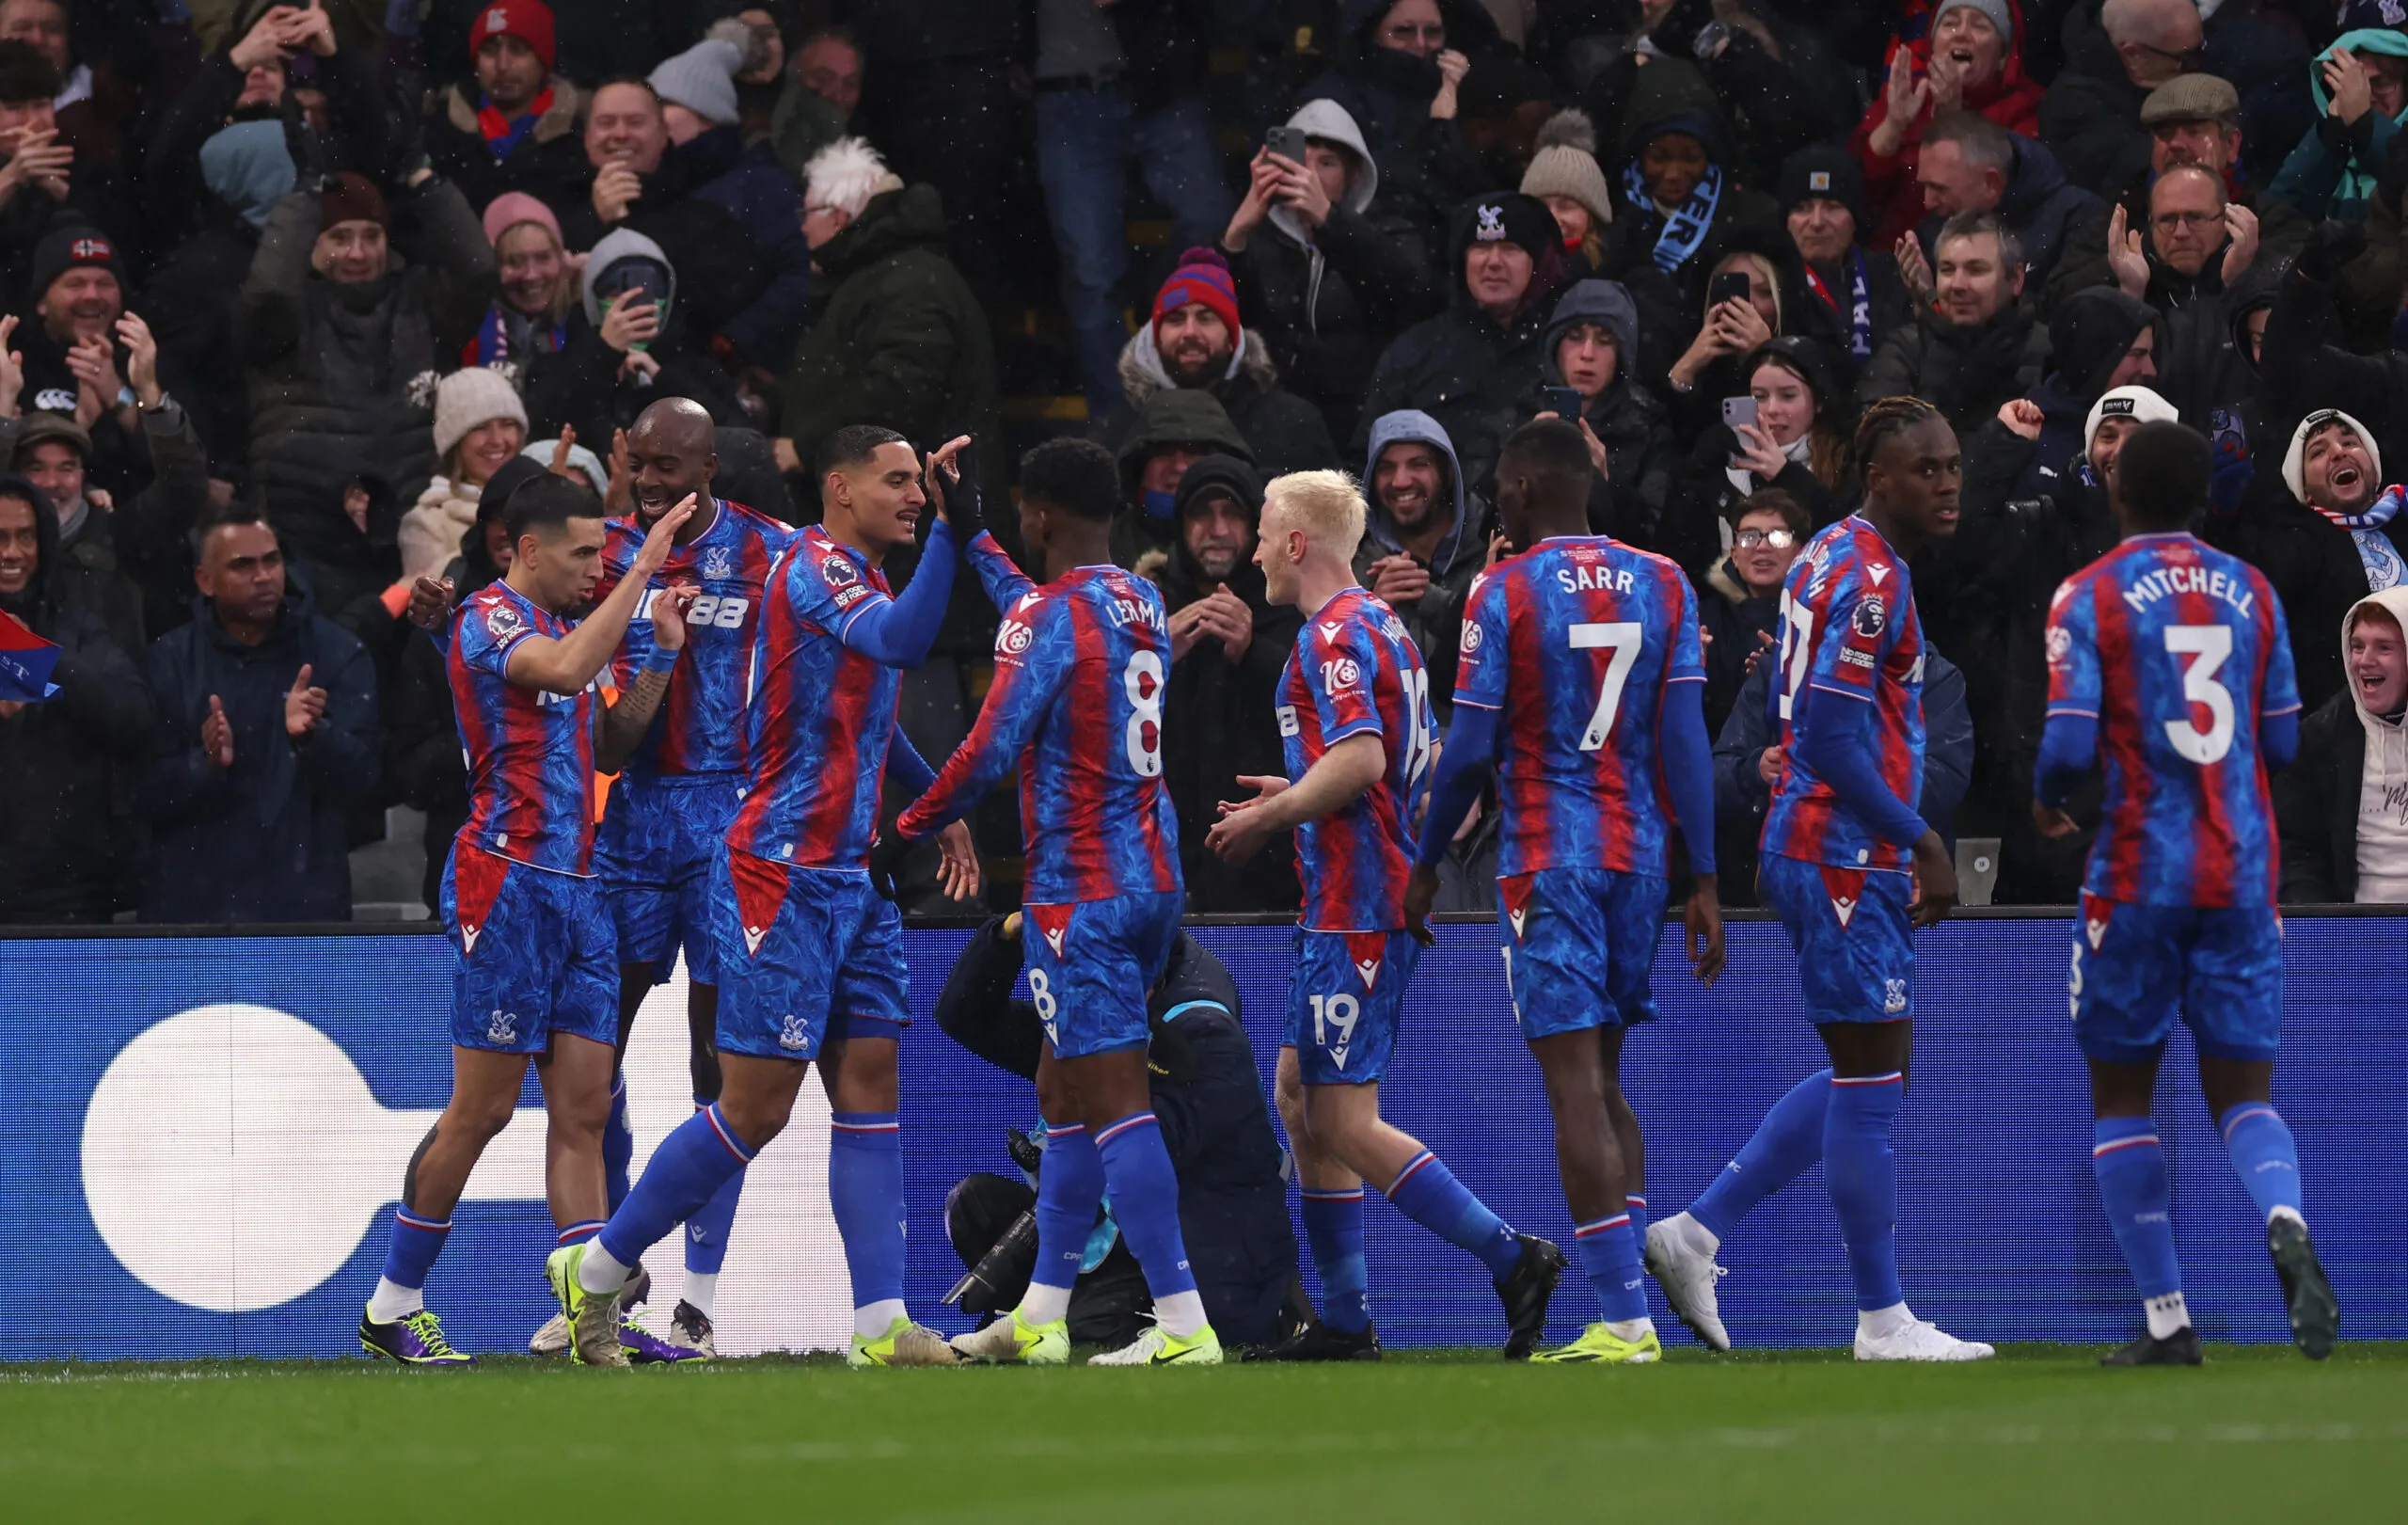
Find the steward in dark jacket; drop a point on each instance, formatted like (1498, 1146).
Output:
(1220, 713)
(343, 371)
(65, 763)
(1471, 366)
(900, 341)
(1328, 298)
(1217, 1126)
(1629, 499)
(262, 835)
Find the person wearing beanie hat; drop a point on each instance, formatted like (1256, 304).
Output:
(1970, 60)
(2118, 412)
(1563, 173)
(1840, 293)
(697, 87)
(2335, 467)
(586, 465)
(1196, 341)
(527, 317)
(480, 426)
(512, 207)
(512, 124)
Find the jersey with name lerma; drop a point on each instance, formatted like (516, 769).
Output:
(2177, 650)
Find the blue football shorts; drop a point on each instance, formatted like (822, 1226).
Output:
(2138, 968)
(1579, 945)
(537, 954)
(1345, 1003)
(1856, 955)
(654, 851)
(1093, 963)
(813, 955)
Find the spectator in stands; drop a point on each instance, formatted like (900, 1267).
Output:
(2342, 808)
(1970, 60)
(1798, 443)
(1196, 341)
(2099, 340)
(342, 342)
(748, 299)
(2360, 85)
(1682, 202)
(266, 739)
(1116, 88)
(97, 101)
(1176, 428)
(809, 105)
(1563, 173)
(1715, 364)
(1840, 294)
(2193, 120)
(1740, 607)
(243, 83)
(2339, 538)
(479, 425)
(1759, 85)
(45, 178)
(2197, 245)
(2091, 116)
(1979, 344)
(900, 341)
(514, 125)
(120, 564)
(73, 359)
(1229, 645)
(1471, 365)
(1591, 347)
(1424, 539)
(535, 287)
(64, 763)
(1971, 163)
(1328, 276)
(630, 344)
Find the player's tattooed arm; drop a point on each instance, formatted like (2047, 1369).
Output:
(625, 723)
(569, 664)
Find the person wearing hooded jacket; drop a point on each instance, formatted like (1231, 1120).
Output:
(63, 762)
(1197, 341)
(1423, 569)
(2342, 809)
(1175, 428)
(2360, 86)
(1729, 62)
(1593, 347)
(1682, 200)
(606, 375)
(1971, 59)
(1470, 366)
(2100, 339)
(1219, 703)
(1329, 277)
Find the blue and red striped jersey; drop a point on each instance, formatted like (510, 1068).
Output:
(1849, 634)
(821, 713)
(530, 754)
(1355, 672)
(700, 726)
(1575, 642)
(2177, 650)
(1077, 704)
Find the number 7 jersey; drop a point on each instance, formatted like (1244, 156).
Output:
(2178, 651)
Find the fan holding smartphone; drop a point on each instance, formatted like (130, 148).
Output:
(1742, 313)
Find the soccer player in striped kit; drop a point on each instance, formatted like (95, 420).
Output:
(1581, 680)
(811, 959)
(1080, 665)
(1838, 843)
(538, 961)
(2170, 660)
(1355, 712)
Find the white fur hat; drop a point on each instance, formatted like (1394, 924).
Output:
(2138, 404)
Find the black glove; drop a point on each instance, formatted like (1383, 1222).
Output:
(2331, 246)
(886, 857)
(961, 509)
(311, 168)
(1024, 1150)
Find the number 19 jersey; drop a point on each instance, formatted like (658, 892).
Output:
(2177, 650)
(1576, 641)
(1355, 672)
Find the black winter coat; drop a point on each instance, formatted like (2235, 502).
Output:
(583, 385)
(1705, 501)
(63, 765)
(2315, 806)
(545, 163)
(2091, 116)
(265, 840)
(1465, 370)
(1968, 373)
(1327, 309)
(1220, 720)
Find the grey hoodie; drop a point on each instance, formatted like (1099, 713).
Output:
(1379, 529)
(626, 244)
(1326, 119)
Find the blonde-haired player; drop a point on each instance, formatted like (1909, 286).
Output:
(1354, 717)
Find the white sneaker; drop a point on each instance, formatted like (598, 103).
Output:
(1156, 1348)
(1917, 1340)
(1687, 1272)
(552, 1340)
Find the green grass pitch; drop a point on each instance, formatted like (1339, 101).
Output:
(2038, 1435)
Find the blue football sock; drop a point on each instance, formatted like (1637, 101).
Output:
(707, 1232)
(1145, 1199)
(1427, 1193)
(410, 1254)
(1637, 1207)
(2260, 1142)
(1609, 1259)
(618, 1143)
(2139, 1198)
(1070, 1192)
(1334, 1225)
(865, 1193)
(693, 1162)
(1786, 1145)
(1864, 1179)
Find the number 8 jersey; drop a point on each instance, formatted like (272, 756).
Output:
(1355, 672)
(2178, 651)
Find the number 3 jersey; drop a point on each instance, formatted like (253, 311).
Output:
(1850, 635)
(1355, 672)
(1576, 641)
(2177, 650)
(1077, 703)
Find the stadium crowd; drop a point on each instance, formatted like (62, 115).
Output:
(297, 295)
